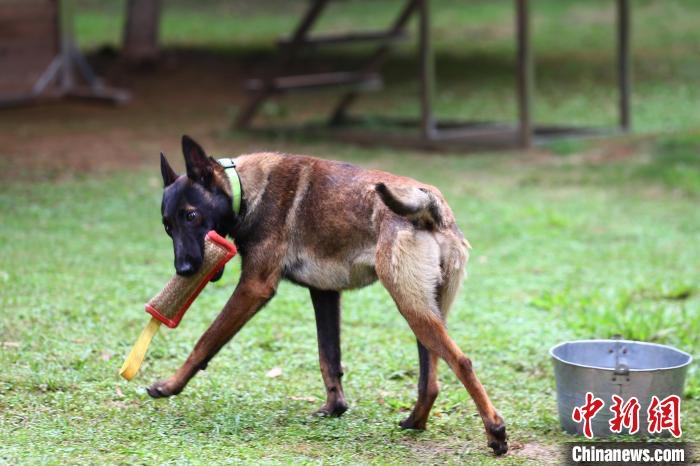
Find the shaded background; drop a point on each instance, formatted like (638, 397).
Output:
(210, 48)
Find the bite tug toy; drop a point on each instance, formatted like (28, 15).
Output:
(171, 303)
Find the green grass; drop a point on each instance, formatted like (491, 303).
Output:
(559, 253)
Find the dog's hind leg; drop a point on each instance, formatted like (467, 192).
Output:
(427, 390)
(327, 310)
(453, 248)
(408, 265)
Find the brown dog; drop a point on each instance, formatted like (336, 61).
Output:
(327, 226)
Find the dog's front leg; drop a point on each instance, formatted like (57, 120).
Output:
(250, 295)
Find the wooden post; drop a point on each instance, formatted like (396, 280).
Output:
(427, 71)
(525, 73)
(65, 14)
(289, 53)
(140, 41)
(374, 62)
(623, 63)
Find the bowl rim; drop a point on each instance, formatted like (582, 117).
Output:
(612, 369)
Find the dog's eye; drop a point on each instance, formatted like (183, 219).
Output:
(192, 215)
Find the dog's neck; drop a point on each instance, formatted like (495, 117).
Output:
(233, 188)
(254, 175)
(236, 191)
(253, 172)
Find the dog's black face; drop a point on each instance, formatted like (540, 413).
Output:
(193, 204)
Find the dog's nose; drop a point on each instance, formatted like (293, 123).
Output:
(185, 269)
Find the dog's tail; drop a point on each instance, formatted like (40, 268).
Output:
(418, 205)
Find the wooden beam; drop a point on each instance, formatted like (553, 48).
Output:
(370, 81)
(248, 112)
(340, 111)
(348, 38)
(624, 77)
(525, 73)
(427, 71)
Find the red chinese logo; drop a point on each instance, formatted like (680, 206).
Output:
(587, 412)
(661, 415)
(665, 415)
(624, 415)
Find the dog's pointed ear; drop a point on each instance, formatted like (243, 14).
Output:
(199, 168)
(167, 171)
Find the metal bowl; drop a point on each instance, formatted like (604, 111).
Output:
(615, 367)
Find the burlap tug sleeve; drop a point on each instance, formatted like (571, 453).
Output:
(171, 303)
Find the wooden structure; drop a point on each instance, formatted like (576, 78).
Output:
(140, 43)
(38, 57)
(427, 132)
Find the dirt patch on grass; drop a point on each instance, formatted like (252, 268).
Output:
(538, 453)
(432, 452)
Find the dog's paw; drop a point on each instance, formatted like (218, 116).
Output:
(498, 438)
(411, 423)
(163, 389)
(332, 409)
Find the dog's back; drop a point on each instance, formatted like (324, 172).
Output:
(327, 219)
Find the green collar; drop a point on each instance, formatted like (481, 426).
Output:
(236, 190)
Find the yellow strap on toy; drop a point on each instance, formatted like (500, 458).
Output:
(133, 361)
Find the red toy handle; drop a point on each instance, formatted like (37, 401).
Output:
(175, 320)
